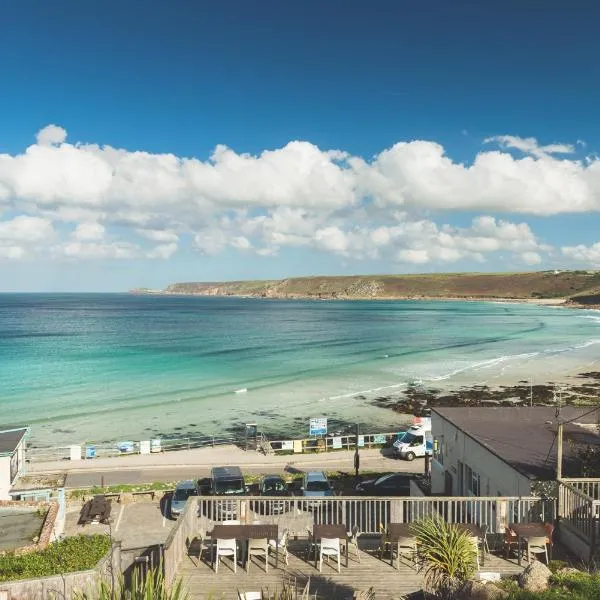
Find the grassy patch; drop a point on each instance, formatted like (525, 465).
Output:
(571, 586)
(116, 489)
(72, 554)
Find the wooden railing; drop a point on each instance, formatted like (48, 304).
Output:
(579, 511)
(589, 486)
(298, 514)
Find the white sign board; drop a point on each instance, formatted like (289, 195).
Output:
(337, 443)
(318, 426)
(145, 447)
(287, 445)
(75, 452)
(155, 445)
(361, 441)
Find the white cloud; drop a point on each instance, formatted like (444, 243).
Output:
(122, 204)
(530, 145)
(589, 255)
(89, 232)
(51, 135)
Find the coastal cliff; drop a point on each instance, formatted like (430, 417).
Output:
(535, 286)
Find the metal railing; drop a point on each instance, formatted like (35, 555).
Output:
(332, 442)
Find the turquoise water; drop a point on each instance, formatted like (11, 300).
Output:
(103, 367)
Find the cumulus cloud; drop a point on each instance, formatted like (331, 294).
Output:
(134, 204)
(589, 255)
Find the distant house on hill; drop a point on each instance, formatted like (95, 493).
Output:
(504, 451)
(12, 456)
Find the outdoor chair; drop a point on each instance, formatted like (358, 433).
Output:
(404, 543)
(510, 539)
(226, 548)
(258, 547)
(282, 546)
(549, 533)
(329, 547)
(483, 541)
(384, 541)
(352, 541)
(204, 543)
(312, 546)
(535, 546)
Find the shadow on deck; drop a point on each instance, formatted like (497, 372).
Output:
(388, 582)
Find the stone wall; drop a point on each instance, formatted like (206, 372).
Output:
(64, 586)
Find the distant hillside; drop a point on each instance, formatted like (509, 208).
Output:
(517, 286)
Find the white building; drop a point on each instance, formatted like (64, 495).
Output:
(12, 457)
(502, 451)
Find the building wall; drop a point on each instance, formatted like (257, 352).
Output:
(483, 473)
(4, 477)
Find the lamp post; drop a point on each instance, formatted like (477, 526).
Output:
(356, 455)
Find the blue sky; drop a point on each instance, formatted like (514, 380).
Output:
(148, 142)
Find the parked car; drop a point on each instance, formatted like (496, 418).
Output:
(315, 484)
(273, 485)
(394, 484)
(226, 481)
(183, 490)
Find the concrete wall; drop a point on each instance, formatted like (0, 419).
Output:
(63, 586)
(496, 478)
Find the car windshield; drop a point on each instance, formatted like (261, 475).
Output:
(182, 494)
(384, 479)
(317, 486)
(229, 486)
(409, 437)
(274, 485)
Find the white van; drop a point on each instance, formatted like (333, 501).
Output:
(415, 441)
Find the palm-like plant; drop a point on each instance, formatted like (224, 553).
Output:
(447, 555)
(150, 587)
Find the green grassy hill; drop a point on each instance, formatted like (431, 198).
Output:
(536, 285)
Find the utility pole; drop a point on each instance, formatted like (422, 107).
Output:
(559, 447)
(356, 455)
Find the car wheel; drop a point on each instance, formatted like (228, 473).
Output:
(410, 456)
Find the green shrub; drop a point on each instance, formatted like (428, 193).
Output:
(570, 586)
(71, 554)
(151, 587)
(447, 555)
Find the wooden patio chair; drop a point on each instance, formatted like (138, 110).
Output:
(510, 539)
(549, 534)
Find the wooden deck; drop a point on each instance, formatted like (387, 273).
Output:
(388, 582)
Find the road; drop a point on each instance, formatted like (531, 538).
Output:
(191, 464)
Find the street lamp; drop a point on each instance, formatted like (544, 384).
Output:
(356, 455)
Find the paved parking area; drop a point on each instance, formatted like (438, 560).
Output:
(136, 525)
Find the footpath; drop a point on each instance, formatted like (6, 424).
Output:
(196, 463)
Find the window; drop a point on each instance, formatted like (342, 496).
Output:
(438, 449)
(472, 481)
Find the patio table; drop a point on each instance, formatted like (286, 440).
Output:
(525, 531)
(98, 508)
(245, 533)
(338, 531)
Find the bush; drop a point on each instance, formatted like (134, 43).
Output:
(447, 555)
(71, 554)
(570, 586)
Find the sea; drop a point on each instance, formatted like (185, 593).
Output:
(81, 368)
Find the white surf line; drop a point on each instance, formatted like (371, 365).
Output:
(119, 517)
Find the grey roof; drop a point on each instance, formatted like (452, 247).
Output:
(10, 437)
(524, 437)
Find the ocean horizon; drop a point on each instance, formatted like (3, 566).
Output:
(103, 367)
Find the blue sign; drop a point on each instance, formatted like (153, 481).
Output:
(90, 451)
(318, 426)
